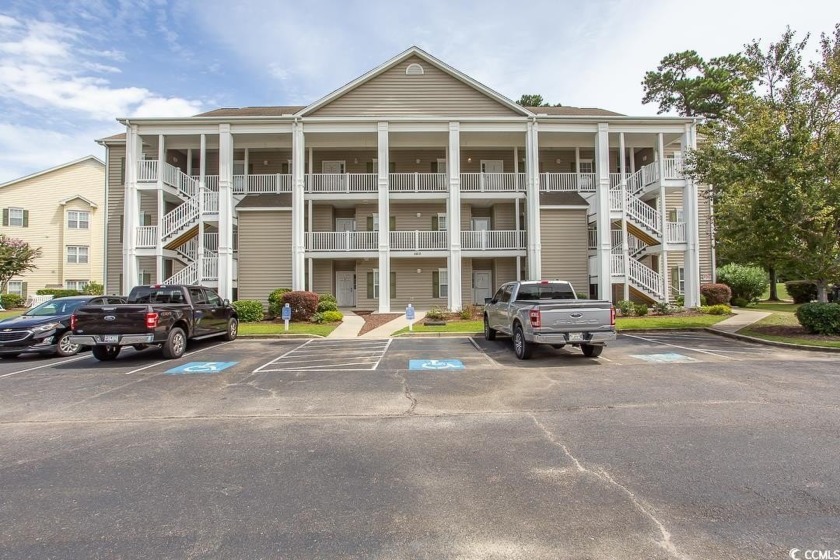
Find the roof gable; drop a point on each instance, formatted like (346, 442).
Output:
(393, 89)
(78, 197)
(52, 169)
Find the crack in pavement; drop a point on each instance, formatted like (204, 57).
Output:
(407, 394)
(665, 542)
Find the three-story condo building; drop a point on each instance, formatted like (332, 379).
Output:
(412, 184)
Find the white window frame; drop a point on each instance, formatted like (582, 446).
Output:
(375, 283)
(18, 217)
(75, 221)
(341, 162)
(443, 222)
(591, 164)
(78, 285)
(375, 221)
(680, 283)
(15, 287)
(78, 252)
(443, 274)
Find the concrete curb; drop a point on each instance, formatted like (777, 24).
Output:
(787, 345)
(438, 334)
(277, 336)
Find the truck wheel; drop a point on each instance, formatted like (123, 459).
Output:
(232, 329)
(591, 350)
(64, 347)
(521, 347)
(175, 345)
(489, 334)
(106, 353)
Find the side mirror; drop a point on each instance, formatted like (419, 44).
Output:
(488, 300)
(226, 302)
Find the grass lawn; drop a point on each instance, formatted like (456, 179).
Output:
(11, 313)
(277, 327)
(783, 327)
(667, 322)
(781, 291)
(775, 307)
(450, 327)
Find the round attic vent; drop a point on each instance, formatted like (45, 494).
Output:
(414, 69)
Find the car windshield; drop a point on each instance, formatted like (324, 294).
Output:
(55, 307)
(548, 291)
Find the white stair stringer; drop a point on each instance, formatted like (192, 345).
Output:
(645, 280)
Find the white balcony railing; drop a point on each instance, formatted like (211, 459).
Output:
(211, 266)
(673, 168)
(593, 238)
(483, 240)
(645, 277)
(211, 182)
(567, 182)
(492, 182)
(260, 184)
(211, 202)
(417, 182)
(147, 236)
(147, 171)
(180, 217)
(617, 264)
(341, 182)
(676, 232)
(211, 242)
(342, 241)
(419, 240)
(186, 275)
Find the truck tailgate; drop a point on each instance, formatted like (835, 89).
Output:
(581, 315)
(111, 319)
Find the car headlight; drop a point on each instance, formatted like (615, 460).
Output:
(45, 328)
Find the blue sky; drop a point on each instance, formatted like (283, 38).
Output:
(68, 69)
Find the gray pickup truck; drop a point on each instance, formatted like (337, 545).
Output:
(548, 312)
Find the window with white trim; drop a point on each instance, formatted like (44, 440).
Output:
(443, 282)
(16, 217)
(376, 283)
(78, 285)
(678, 279)
(15, 287)
(77, 219)
(77, 254)
(442, 225)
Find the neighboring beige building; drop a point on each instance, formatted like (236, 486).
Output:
(412, 184)
(62, 211)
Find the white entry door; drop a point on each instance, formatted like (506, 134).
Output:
(491, 178)
(492, 166)
(345, 293)
(482, 285)
(344, 239)
(482, 225)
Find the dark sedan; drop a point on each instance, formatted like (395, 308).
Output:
(45, 329)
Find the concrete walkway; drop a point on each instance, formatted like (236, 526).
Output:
(743, 318)
(349, 327)
(384, 331)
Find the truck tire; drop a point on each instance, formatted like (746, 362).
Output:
(232, 329)
(175, 345)
(106, 353)
(592, 350)
(521, 347)
(489, 334)
(63, 347)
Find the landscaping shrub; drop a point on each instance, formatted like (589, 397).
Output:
(802, 291)
(703, 300)
(10, 301)
(746, 282)
(57, 292)
(679, 301)
(470, 312)
(94, 289)
(641, 309)
(327, 305)
(718, 309)
(275, 301)
(327, 297)
(820, 318)
(740, 302)
(715, 293)
(663, 308)
(328, 317)
(626, 307)
(249, 310)
(304, 304)
(436, 313)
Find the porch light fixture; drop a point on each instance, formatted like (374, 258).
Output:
(419, 214)
(265, 162)
(419, 271)
(355, 160)
(469, 160)
(417, 160)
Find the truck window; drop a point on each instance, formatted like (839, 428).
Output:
(160, 294)
(543, 292)
(498, 295)
(506, 293)
(213, 299)
(197, 296)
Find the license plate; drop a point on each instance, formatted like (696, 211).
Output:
(110, 338)
(575, 337)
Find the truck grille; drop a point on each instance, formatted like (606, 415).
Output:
(13, 336)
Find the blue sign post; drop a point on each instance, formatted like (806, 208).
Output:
(409, 315)
(286, 315)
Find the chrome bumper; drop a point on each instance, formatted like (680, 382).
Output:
(563, 338)
(122, 340)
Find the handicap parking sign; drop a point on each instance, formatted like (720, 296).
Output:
(200, 367)
(435, 365)
(286, 313)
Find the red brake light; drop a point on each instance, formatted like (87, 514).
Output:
(544, 282)
(151, 320)
(73, 322)
(612, 316)
(536, 319)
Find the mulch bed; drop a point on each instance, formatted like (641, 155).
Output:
(373, 320)
(792, 331)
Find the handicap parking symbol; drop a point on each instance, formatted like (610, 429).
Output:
(200, 367)
(435, 365)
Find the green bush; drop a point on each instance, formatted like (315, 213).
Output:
(436, 313)
(663, 308)
(303, 304)
(327, 297)
(718, 309)
(641, 309)
(10, 301)
(679, 301)
(249, 310)
(626, 307)
(275, 301)
(327, 305)
(820, 318)
(470, 311)
(802, 291)
(94, 289)
(746, 282)
(703, 300)
(327, 317)
(715, 293)
(57, 292)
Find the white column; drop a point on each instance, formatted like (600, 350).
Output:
(189, 162)
(691, 215)
(298, 182)
(225, 266)
(202, 171)
(660, 164)
(161, 209)
(533, 201)
(625, 242)
(311, 286)
(453, 218)
(384, 218)
(517, 225)
(604, 250)
(245, 170)
(131, 209)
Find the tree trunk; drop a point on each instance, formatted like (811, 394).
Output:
(774, 294)
(822, 293)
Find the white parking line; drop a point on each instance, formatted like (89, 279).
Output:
(76, 359)
(680, 347)
(329, 356)
(181, 358)
(275, 360)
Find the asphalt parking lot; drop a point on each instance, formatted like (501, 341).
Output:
(671, 445)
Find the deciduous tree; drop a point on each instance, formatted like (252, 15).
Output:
(16, 257)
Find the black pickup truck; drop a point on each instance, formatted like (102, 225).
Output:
(163, 315)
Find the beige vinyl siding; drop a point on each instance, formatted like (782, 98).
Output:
(265, 253)
(504, 217)
(322, 218)
(322, 276)
(146, 269)
(564, 242)
(116, 204)
(363, 211)
(471, 159)
(405, 161)
(362, 269)
(412, 287)
(505, 271)
(355, 161)
(466, 281)
(406, 215)
(393, 93)
(674, 199)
